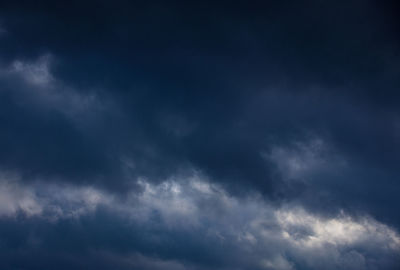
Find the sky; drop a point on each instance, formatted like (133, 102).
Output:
(200, 135)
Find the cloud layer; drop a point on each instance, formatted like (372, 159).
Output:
(189, 224)
(199, 135)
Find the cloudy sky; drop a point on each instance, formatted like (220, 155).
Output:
(200, 135)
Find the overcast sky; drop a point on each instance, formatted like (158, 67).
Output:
(200, 135)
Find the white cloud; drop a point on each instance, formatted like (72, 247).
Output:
(15, 198)
(272, 237)
(338, 231)
(338, 242)
(45, 200)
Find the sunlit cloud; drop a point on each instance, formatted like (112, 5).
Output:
(249, 224)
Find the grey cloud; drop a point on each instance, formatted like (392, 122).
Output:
(243, 233)
(199, 135)
(37, 73)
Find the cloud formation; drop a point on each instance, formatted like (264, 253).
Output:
(199, 135)
(245, 233)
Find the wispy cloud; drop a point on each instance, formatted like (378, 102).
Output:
(37, 73)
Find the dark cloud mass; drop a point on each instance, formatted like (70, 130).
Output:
(199, 135)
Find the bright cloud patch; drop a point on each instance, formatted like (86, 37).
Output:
(248, 226)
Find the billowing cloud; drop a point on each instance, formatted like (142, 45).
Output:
(199, 135)
(244, 233)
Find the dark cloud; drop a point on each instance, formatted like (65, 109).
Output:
(295, 102)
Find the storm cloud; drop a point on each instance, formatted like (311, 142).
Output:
(199, 135)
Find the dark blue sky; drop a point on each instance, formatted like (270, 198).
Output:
(199, 135)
